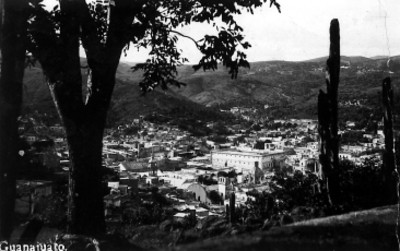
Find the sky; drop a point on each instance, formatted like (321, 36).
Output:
(301, 31)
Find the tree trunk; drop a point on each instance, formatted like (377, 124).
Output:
(84, 128)
(86, 208)
(12, 72)
(84, 118)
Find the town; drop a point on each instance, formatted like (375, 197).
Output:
(147, 163)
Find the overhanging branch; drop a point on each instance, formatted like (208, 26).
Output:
(186, 36)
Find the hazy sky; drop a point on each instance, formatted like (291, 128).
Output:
(301, 31)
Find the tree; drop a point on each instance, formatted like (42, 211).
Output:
(220, 128)
(307, 139)
(215, 197)
(360, 187)
(262, 206)
(133, 130)
(105, 32)
(259, 145)
(294, 190)
(13, 33)
(256, 127)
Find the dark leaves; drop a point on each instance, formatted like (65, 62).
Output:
(100, 18)
(159, 19)
(277, 5)
(43, 35)
(223, 49)
(161, 67)
(154, 26)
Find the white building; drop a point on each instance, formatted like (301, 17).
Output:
(244, 161)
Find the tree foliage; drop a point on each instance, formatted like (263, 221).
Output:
(215, 197)
(105, 32)
(358, 188)
(353, 137)
(259, 145)
(149, 24)
(294, 190)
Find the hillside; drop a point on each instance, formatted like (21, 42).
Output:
(127, 102)
(373, 229)
(290, 89)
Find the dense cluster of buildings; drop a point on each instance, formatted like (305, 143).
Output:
(196, 174)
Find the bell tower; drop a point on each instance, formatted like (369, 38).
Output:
(222, 184)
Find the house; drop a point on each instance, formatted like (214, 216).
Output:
(201, 212)
(345, 156)
(112, 200)
(244, 161)
(308, 164)
(30, 138)
(202, 159)
(350, 124)
(140, 166)
(313, 146)
(131, 183)
(181, 216)
(39, 188)
(29, 194)
(200, 192)
(354, 148)
(48, 159)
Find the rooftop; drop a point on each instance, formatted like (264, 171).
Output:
(250, 152)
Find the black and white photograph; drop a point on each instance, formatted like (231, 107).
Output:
(266, 125)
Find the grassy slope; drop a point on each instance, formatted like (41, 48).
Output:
(372, 229)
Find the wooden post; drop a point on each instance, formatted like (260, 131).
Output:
(328, 118)
(389, 171)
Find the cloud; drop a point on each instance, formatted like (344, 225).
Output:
(301, 31)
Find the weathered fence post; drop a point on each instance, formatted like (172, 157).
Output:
(389, 170)
(328, 118)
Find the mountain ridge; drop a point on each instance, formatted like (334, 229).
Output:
(288, 88)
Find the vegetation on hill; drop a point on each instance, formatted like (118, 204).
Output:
(290, 88)
(127, 103)
(277, 89)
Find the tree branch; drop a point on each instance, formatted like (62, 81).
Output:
(103, 68)
(185, 36)
(68, 88)
(90, 39)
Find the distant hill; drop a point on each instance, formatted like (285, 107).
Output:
(127, 103)
(289, 89)
(379, 57)
(353, 59)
